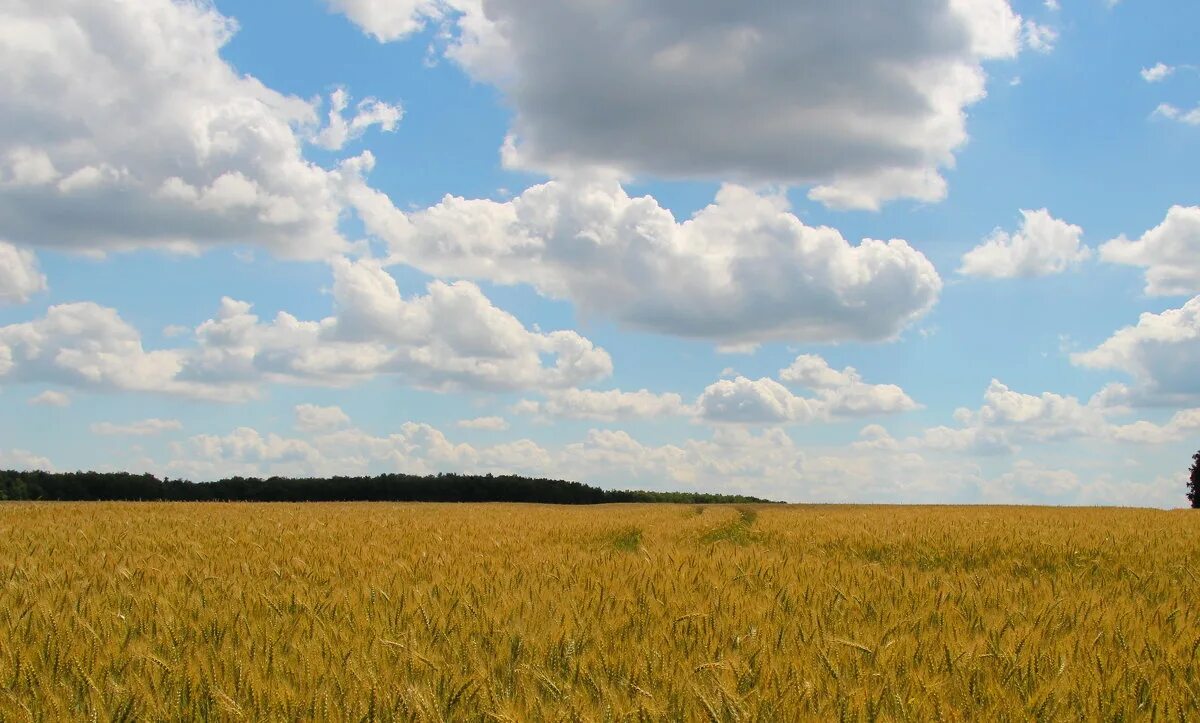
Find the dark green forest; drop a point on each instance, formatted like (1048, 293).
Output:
(386, 487)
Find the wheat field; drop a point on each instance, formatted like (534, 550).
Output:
(373, 611)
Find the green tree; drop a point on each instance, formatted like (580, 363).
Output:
(1194, 484)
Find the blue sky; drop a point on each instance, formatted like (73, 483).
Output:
(915, 251)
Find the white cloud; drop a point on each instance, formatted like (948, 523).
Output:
(1043, 245)
(142, 428)
(844, 393)
(607, 406)
(1052, 5)
(1038, 37)
(1171, 112)
(86, 345)
(388, 20)
(369, 112)
(733, 459)
(313, 418)
(414, 449)
(20, 277)
(739, 400)
(50, 398)
(1181, 425)
(1006, 420)
(1159, 353)
(1044, 417)
(1029, 481)
(1170, 253)
(491, 424)
(450, 338)
(125, 128)
(709, 90)
(742, 270)
(755, 401)
(24, 461)
(836, 394)
(1157, 72)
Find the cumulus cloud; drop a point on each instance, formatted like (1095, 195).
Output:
(742, 270)
(85, 345)
(836, 394)
(710, 90)
(1172, 112)
(1044, 417)
(1181, 425)
(1043, 245)
(369, 112)
(1170, 253)
(1157, 72)
(142, 428)
(844, 393)
(20, 277)
(388, 20)
(1009, 420)
(1159, 353)
(23, 460)
(450, 338)
(313, 418)
(124, 128)
(607, 406)
(50, 398)
(414, 449)
(754, 401)
(1006, 420)
(490, 424)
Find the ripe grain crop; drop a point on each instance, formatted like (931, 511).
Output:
(377, 611)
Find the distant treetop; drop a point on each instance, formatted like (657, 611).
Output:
(385, 487)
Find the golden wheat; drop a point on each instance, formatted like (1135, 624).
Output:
(649, 612)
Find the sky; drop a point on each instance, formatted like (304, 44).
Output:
(907, 251)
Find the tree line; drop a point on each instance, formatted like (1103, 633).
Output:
(1194, 482)
(385, 487)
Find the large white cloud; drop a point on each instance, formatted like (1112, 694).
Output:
(1170, 253)
(20, 277)
(90, 346)
(1043, 245)
(844, 393)
(450, 338)
(754, 401)
(864, 99)
(1159, 353)
(835, 394)
(743, 269)
(123, 127)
